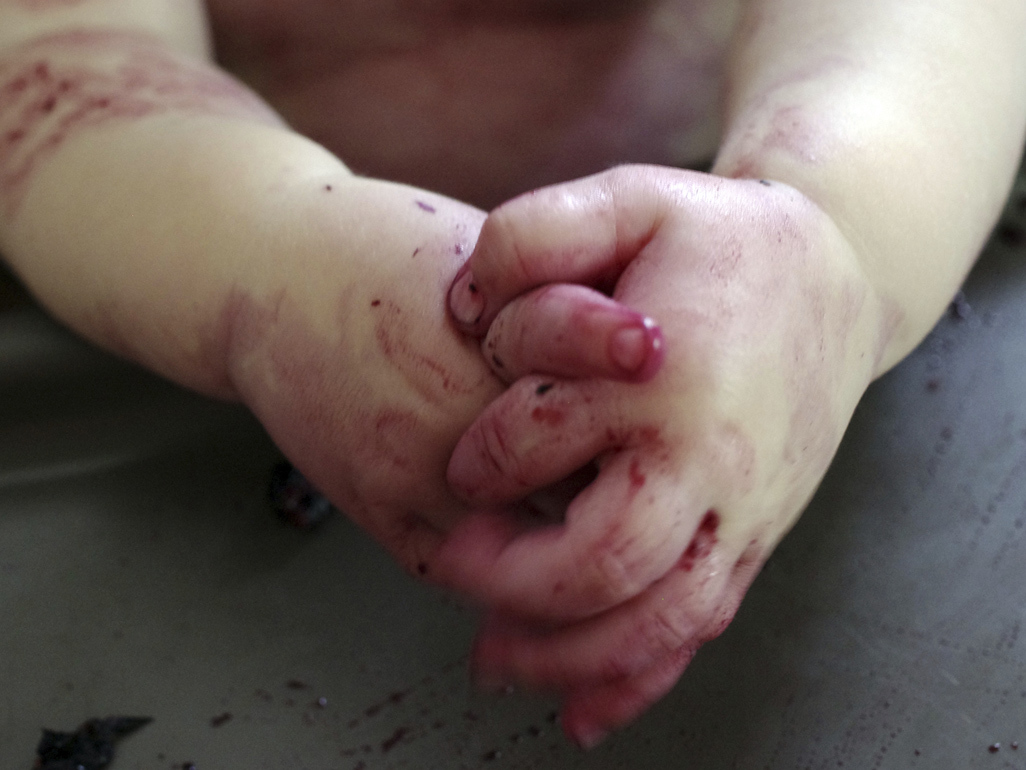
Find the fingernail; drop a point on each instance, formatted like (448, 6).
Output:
(588, 736)
(638, 350)
(465, 301)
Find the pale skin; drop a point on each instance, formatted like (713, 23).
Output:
(168, 213)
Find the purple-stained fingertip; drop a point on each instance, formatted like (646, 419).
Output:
(638, 350)
(466, 303)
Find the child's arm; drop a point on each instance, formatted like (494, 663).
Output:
(903, 120)
(162, 210)
(886, 134)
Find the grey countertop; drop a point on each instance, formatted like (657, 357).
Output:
(141, 573)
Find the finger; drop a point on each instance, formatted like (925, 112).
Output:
(691, 604)
(573, 331)
(586, 231)
(536, 433)
(616, 541)
(590, 715)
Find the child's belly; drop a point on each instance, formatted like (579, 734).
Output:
(485, 103)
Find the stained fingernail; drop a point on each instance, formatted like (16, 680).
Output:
(638, 349)
(465, 301)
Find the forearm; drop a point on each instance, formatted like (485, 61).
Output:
(118, 151)
(147, 194)
(902, 119)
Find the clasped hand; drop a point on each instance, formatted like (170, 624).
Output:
(699, 344)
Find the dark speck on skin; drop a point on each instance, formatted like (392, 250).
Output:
(426, 207)
(545, 388)
(328, 188)
(376, 303)
(765, 183)
(498, 362)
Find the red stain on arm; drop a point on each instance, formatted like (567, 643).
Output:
(397, 343)
(59, 86)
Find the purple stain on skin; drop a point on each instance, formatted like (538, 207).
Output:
(426, 207)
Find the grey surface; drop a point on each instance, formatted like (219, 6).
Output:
(141, 573)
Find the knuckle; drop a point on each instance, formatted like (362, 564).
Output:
(619, 665)
(496, 451)
(504, 241)
(707, 614)
(501, 358)
(615, 572)
(665, 631)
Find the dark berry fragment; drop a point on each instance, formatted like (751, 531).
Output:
(295, 500)
(960, 308)
(90, 747)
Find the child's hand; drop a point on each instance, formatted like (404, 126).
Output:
(346, 354)
(771, 336)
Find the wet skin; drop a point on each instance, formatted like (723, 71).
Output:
(771, 335)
